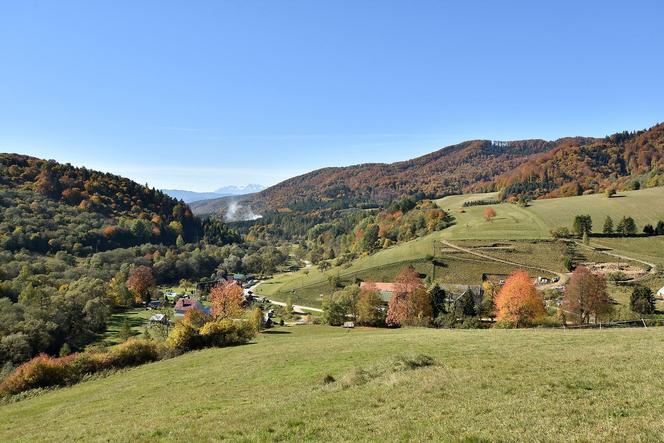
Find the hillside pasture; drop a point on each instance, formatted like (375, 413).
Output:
(535, 221)
(484, 385)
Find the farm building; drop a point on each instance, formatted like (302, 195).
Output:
(660, 293)
(185, 304)
(385, 290)
(454, 292)
(158, 318)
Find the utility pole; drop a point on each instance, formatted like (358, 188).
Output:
(433, 263)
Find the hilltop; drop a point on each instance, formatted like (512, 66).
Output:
(47, 202)
(527, 169)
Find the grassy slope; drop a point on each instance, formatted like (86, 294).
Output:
(512, 223)
(491, 384)
(535, 221)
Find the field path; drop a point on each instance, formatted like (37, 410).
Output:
(298, 308)
(562, 276)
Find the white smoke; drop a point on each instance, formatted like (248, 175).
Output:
(238, 212)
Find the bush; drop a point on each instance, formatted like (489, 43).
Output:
(560, 232)
(44, 371)
(227, 333)
(87, 363)
(183, 338)
(618, 276)
(133, 352)
(217, 333)
(470, 323)
(40, 372)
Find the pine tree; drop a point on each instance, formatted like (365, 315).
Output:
(125, 331)
(608, 225)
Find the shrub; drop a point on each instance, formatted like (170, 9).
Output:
(618, 276)
(183, 337)
(90, 362)
(227, 333)
(560, 232)
(44, 371)
(40, 372)
(133, 352)
(470, 323)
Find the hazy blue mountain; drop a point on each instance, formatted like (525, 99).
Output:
(240, 190)
(192, 196)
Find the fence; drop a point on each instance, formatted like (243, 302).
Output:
(640, 323)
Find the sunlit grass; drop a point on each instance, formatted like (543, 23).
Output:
(497, 385)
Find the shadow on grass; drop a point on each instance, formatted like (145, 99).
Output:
(276, 332)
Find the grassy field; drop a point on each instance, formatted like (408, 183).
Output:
(305, 287)
(535, 221)
(518, 231)
(487, 385)
(137, 319)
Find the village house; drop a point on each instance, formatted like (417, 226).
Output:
(454, 292)
(660, 293)
(183, 305)
(385, 290)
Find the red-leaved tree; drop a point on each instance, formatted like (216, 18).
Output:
(410, 304)
(489, 213)
(586, 296)
(140, 283)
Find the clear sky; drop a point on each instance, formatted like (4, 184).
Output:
(195, 95)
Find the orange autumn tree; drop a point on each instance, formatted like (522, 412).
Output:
(410, 304)
(518, 302)
(226, 300)
(489, 213)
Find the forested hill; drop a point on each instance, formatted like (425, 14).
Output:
(527, 168)
(468, 166)
(626, 160)
(49, 206)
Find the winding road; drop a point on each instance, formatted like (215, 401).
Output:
(298, 308)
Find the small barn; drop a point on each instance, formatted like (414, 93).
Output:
(660, 293)
(183, 305)
(385, 290)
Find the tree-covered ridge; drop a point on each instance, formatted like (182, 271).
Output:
(70, 238)
(49, 207)
(468, 166)
(626, 160)
(344, 234)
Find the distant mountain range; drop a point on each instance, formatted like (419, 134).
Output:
(224, 191)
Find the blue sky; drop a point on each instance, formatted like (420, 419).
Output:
(198, 94)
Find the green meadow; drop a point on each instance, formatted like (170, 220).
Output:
(516, 234)
(535, 221)
(484, 385)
